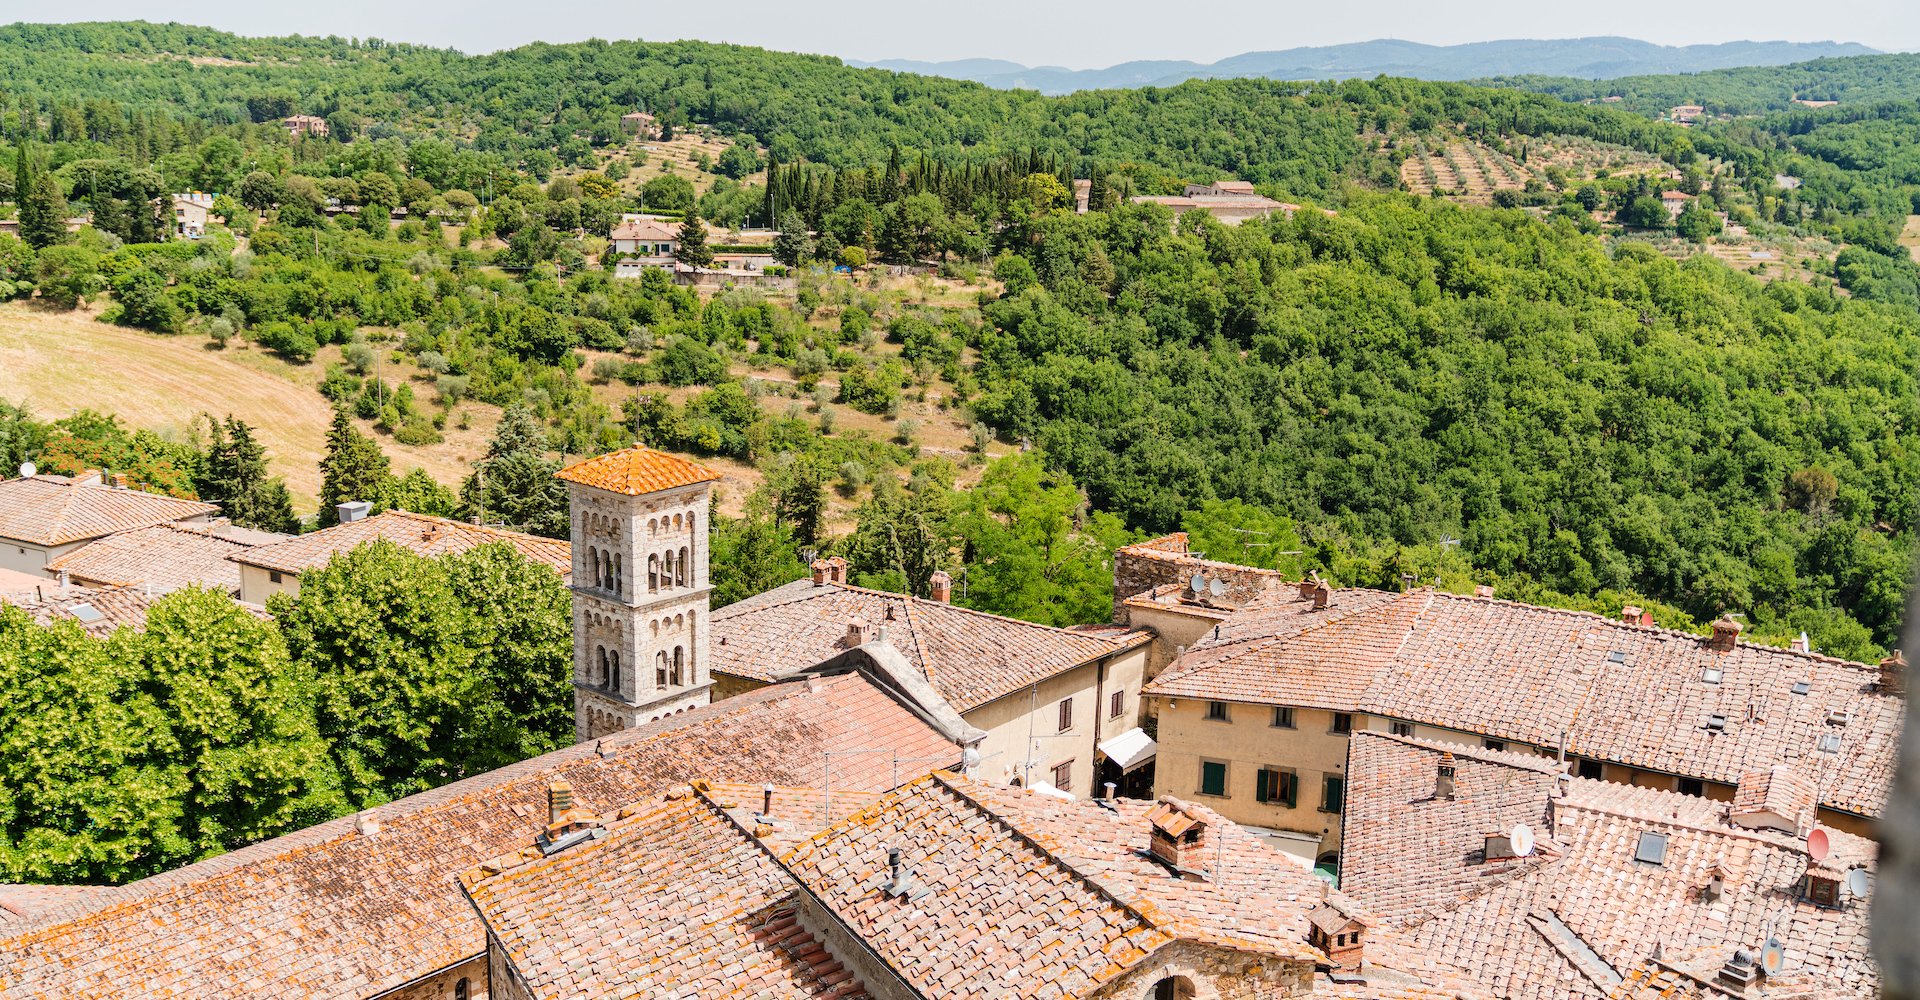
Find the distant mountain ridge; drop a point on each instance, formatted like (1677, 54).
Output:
(1587, 58)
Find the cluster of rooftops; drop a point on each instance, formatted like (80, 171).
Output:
(825, 835)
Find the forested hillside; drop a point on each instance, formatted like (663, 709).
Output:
(1747, 90)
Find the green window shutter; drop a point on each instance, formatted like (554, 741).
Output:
(1290, 789)
(1213, 778)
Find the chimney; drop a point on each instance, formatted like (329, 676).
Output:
(766, 801)
(366, 823)
(822, 572)
(837, 571)
(1726, 632)
(1740, 972)
(1482, 590)
(1322, 596)
(1110, 787)
(1893, 675)
(940, 587)
(1630, 614)
(559, 800)
(1306, 588)
(353, 510)
(119, 480)
(1443, 782)
(1801, 644)
(1332, 928)
(1174, 835)
(856, 632)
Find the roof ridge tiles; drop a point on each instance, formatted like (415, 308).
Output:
(1504, 758)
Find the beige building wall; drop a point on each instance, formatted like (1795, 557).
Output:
(1175, 629)
(257, 584)
(447, 983)
(1246, 742)
(26, 557)
(1024, 739)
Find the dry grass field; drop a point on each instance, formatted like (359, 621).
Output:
(60, 362)
(1910, 238)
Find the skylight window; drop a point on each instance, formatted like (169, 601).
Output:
(86, 613)
(1617, 656)
(1711, 675)
(1652, 849)
(1829, 742)
(1716, 722)
(1802, 687)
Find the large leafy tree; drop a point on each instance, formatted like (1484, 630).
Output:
(126, 756)
(429, 670)
(1032, 549)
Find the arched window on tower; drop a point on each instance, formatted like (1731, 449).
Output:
(619, 574)
(613, 671)
(680, 568)
(593, 558)
(653, 573)
(601, 678)
(679, 661)
(660, 670)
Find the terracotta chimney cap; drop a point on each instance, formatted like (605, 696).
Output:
(1726, 632)
(1483, 590)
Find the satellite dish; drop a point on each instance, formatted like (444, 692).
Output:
(970, 758)
(1522, 840)
(1857, 883)
(28, 470)
(1818, 845)
(1773, 957)
(1198, 584)
(1217, 588)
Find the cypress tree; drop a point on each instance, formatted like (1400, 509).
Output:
(693, 250)
(354, 469)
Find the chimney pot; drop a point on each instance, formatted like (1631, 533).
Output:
(1482, 590)
(1630, 614)
(1726, 633)
(559, 800)
(940, 587)
(1893, 674)
(837, 571)
(1443, 782)
(766, 800)
(1801, 644)
(1110, 788)
(367, 822)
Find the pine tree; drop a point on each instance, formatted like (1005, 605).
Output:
(790, 247)
(235, 477)
(354, 469)
(43, 208)
(515, 484)
(692, 249)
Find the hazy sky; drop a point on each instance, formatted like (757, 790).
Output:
(1082, 33)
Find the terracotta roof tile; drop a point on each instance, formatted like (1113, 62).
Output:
(674, 895)
(637, 470)
(100, 612)
(422, 534)
(163, 558)
(54, 510)
(332, 914)
(1579, 916)
(1630, 694)
(971, 657)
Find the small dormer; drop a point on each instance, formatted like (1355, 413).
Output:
(1174, 834)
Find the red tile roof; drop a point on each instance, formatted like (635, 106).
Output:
(673, 895)
(637, 470)
(163, 558)
(332, 913)
(971, 657)
(648, 230)
(100, 612)
(422, 534)
(1530, 674)
(1573, 920)
(54, 510)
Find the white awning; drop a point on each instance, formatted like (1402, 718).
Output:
(1046, 788)
(1130, 749)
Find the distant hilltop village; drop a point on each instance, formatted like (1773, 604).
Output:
(1240, 786)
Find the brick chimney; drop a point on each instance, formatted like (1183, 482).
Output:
(1322, 596)
(1332, 928)
(837, 571)
(1893, 675)
(1443, 780)
(559, 800)
(1174, 834)
(856, 632)
(822, 572)
(1482, 590)
(1726, 632)
(940, 587)
(1630, 614)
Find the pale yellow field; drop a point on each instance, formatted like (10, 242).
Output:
(1910, 238)
(61, 362)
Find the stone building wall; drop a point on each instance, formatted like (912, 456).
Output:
(1160, 561)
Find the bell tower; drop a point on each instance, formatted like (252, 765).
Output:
(640, 588)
